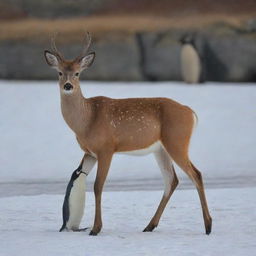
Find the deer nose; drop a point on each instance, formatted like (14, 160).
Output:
(68, 86)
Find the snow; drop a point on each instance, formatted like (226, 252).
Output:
(29, 225)
(39, 153)
(37, 145)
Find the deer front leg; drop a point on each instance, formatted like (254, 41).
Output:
(104, 161)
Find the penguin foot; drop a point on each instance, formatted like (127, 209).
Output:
(80, 230)
(63, 229)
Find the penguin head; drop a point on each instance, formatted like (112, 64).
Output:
(76, 174)
(188, 39)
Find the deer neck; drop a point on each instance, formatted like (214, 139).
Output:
(75, 110)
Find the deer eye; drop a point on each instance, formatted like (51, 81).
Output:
(77, 74)
(60, 74)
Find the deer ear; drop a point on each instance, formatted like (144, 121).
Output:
(87, 61)
(51, 59)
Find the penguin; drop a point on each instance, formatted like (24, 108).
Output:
(74, 201)
(191, 61)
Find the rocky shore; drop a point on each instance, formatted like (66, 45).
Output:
(228, 54)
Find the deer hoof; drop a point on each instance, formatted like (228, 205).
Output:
(92, 233)
(149, 228)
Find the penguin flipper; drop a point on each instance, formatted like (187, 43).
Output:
(65, 212)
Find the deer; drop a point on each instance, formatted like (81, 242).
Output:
(105, 126)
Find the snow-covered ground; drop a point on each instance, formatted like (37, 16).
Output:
(39, 152)
(29, 225)
(37, 145)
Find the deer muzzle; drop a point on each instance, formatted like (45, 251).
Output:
(68, 87)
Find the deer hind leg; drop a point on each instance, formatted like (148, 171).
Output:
(196, 177)
(179, 154)
(170, 181)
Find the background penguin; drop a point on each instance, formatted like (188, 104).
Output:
(74, 201)
(191, 61)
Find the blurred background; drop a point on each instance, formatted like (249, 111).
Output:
(134, 40)
(144, 48)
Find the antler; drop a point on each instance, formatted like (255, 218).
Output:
(54, 48)
(87, 44)
(87, 40)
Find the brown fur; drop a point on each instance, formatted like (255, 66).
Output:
(104, 126)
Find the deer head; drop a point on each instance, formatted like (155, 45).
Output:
(69, 70)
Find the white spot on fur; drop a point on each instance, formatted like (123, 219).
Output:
(113, 123)
(165, 164)
(144, 151)
(67, 92)
(195, 121)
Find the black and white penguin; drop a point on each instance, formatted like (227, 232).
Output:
(74, 201)
(191, 61)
